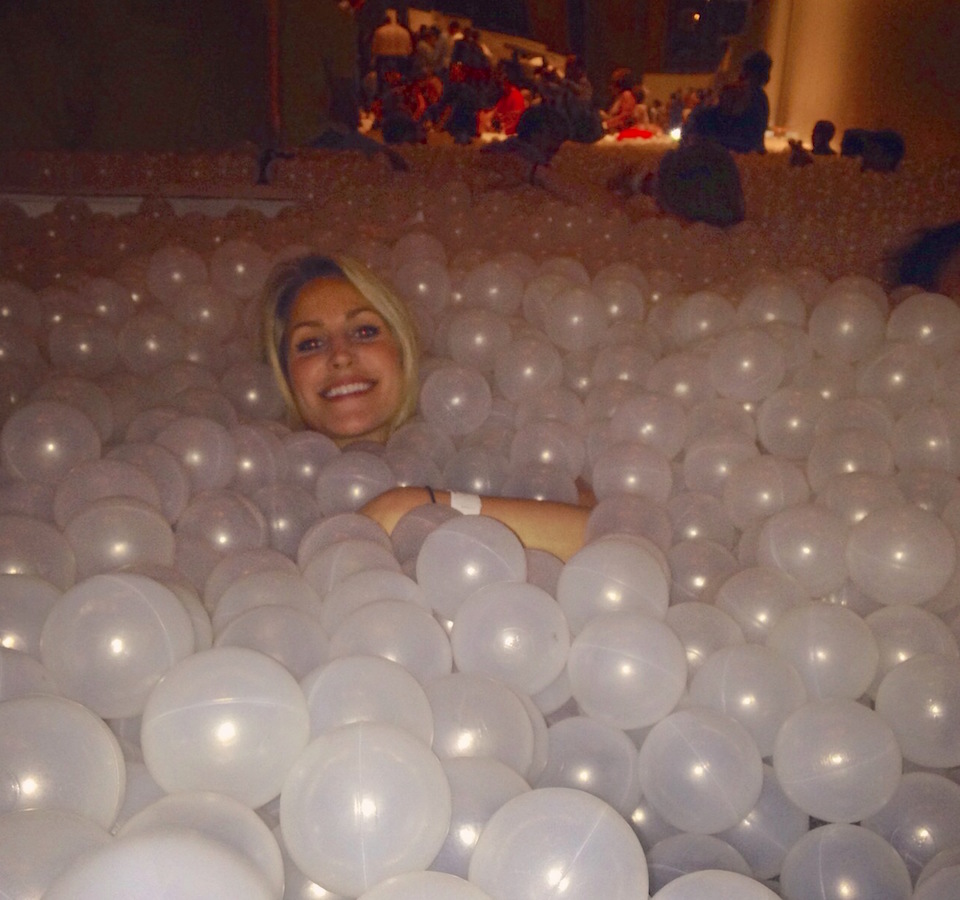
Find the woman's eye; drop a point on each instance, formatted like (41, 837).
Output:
(367, 332)
(310, 345)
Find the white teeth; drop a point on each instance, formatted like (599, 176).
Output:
(344, 389)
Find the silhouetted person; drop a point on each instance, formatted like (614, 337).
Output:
(932, 261)
(738, 120)
(879, 151)
(823, 133)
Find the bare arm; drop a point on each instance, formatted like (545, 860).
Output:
(557, 528)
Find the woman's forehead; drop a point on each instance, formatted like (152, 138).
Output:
(325, 299)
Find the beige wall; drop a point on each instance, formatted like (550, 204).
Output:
(870, 64)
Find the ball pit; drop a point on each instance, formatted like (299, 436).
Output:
(746, 683)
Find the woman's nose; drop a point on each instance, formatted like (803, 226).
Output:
(341, 351)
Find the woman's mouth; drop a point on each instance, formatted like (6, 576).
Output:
(339, 391)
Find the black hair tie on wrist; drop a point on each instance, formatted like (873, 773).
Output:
(433, 496)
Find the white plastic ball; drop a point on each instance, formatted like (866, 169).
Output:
(456, 400)
(43, 440)
(627, 669)
(837, 760)
(717, 885)
(463, 555)
(425, 886)
(351, 480)
(363, 803)
(29, 546)
(479, 786)
(110, 638)
(57, 754)
(759, 487)
(228, 719)
(901, 554)
(611, 574)
(682, 854)
(846, 326)
(205, 450)
(746, 365)
(701, 770)
(591, 851)
(514, 632)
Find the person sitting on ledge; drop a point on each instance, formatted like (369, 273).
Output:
(823, 133)
(344, 350)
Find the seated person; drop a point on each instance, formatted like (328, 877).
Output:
(620, 115)
(505, 114)
(344, 350)
(698, 181)
(823, 133)
(879, 151)
(932, 261)
(739, 118)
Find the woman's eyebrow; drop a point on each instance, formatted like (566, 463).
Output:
(317, 323)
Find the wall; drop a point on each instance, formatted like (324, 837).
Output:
(870, 64)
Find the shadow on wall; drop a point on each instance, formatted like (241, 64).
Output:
(131, 74)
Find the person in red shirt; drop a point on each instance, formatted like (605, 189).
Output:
(505, 114)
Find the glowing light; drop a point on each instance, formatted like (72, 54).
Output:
(366, 807)
(29, 786)
(675, 133)
(466, 742)
(117, 646)
(557, 880)
(468, 835)
(226, 732)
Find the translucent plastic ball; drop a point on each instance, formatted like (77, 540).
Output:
(698, 568)
(362, 803)
(847, 451)
(204, 448)
(746, 365)
(901, 375)
(397, 630)
(699, 315)
(172, 270)
(560, 841)
(305, 453)
(83, 345)
(228, 719)
(336, 529)
(696, 515)
(495, 286)
(366, 689)
(927, 438)
(168, 475)
(660, 422)
(43, 440)
(223, 519)
(220, 818)
(807, 542)
(627, 669)
(837, 760)
(943, 883)
(515, 632)
(901, 554)
(368, 586)
(681, 854)
(239, 268)
(29, 546)
(846, 326)
(675, 757)
(463, 555)
(37, 845)
(931, 320)
(717, 885)
(710, 459)
(208, 310)
(288, 512)
(834, 862)
(84, 395)
(477, 716)
(627, 514)
(346, 483)
(57, 754)
(110, 638)
(631, 467)
(769, 830)
(150, 341)
(456, 400)
(682, 376)
(526, 367)
(831, 647)
(787, 419)
(99, 478)
(115, 532)
(425, 886)
(479, 786)
(292, 637)
(591, 756)
(154, 865)
(921, 819)
(920, 699)
(575, 319)
(333, 563)
(903, 632)
(857, 494)
(423, 281)
(759, 487)
(703, 630)
(474, 336)
(25, 601)
(611, 574)
(22, 675)
(753, 685)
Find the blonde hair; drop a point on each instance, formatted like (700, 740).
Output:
(281, 291)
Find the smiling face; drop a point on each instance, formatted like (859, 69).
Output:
(343, 363)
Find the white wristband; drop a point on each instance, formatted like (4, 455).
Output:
(468, 504)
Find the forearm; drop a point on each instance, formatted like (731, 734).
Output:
(558, 528)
